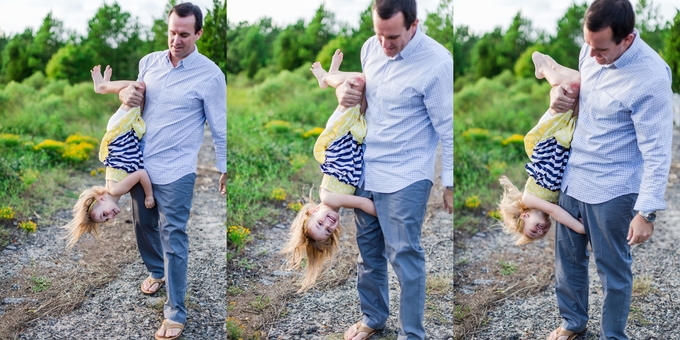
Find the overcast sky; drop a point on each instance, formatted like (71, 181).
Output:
(484, 15)
(284, 12)
(17, 15)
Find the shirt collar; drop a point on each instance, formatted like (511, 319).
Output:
(186, 62)
(411, 45)
(630, 53)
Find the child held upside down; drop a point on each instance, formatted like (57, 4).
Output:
(315, 230)
(121, 153)
(526, 215)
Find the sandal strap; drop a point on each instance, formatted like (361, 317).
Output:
(360, 327)
(171, 325)
(569, 334)
(152, 280)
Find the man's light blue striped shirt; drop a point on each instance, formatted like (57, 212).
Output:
(178, 101)
(410, 108)
(622, 140)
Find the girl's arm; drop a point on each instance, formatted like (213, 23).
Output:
(336, 201)
(554, 210)
(124, 186)
(113, 86)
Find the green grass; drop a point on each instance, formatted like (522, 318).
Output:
(508, 268)
(40, 284)
(263, 156)
(486, 114)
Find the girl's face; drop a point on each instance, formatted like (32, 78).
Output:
(105, 209)
(535, 225)
(322, 222)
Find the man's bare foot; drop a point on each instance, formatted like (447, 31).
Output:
(98, 79)
(359, 331)
(169, 330)
(539, 64)
(336, 60)
(320, 74)
(151, 285)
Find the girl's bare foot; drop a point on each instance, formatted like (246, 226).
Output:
(539, 64)
(97, 78)
(107, 73)
(320, 74)
(336, 60)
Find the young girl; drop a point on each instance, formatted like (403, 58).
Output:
(526, 215)
(315, 230)
(121, 153)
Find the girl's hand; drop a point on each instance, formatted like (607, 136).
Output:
(149, 202)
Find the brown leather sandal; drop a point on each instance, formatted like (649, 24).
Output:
(569, 334)
(169, 325)
(360, 327)
(151, 281)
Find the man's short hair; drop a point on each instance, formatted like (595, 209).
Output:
(617, 14)
(186, 9)
(389, 8)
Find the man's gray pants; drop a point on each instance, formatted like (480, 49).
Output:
(395, 236)
(606, 226)
(162, 238)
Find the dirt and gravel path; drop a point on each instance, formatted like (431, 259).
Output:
(327, 310)
(92, 291)
(522, 305)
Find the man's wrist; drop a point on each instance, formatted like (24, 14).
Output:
(449, 188)
(649, 216)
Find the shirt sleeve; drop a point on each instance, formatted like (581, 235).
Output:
(438, 100)
(216, 114)
(653, 121)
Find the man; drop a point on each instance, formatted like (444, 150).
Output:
(616, 175)
(182, 89)
(409, 90)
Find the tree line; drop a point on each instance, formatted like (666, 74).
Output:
(487, 55)
(265, 47)
(114, 37)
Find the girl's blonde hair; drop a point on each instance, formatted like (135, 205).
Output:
(300, 244)
(82, 222)
(511, 208)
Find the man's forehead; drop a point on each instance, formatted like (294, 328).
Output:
(178, 22)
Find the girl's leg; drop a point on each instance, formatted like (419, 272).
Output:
(569, 72)
(543, 70)
(334, 77)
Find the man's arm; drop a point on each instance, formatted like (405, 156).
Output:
(215, 108)
(653, 121)
(438, 100)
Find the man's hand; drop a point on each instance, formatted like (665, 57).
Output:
(640, 230)
(223, 184)
(347, 95)
(132, 95)
(559, 102)
(448, 200)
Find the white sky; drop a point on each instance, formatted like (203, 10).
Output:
(285, 12)
(16, 16)
(484, 15)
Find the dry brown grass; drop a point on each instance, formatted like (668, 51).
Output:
(470, 310)
(101, 263)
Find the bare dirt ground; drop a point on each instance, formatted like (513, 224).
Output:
(92, 291)
(508, 292)
(262, 298)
